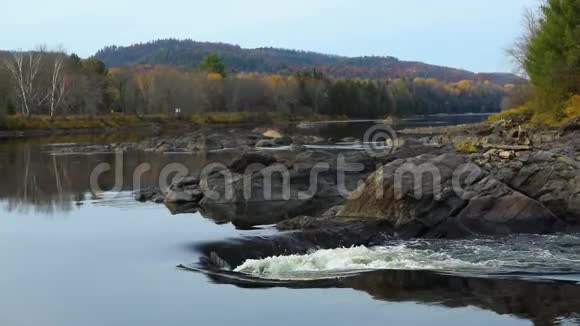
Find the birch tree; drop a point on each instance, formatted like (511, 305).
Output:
(24, 68)
(56, 90)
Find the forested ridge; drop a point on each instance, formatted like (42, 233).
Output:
(286, 62)
(57, 84)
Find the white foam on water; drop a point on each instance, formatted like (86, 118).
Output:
(515, 254)
(398, 257)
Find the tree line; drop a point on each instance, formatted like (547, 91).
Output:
(548, 52)
(53, 83)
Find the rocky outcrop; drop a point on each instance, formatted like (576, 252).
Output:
(149, 194)
(310, 184)
(260, 187)
(186, 190)
(550, 178)
(519, 187)
(570, 127)
(244, 160)
(446, 196)
(510, 135)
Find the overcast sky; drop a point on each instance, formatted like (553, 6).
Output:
(468, 34)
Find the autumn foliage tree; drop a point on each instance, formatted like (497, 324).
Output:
(69, 85)
(549, 53)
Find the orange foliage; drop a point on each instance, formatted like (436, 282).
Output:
(214, 76)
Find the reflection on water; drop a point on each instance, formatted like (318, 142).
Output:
(542, 302)
(33, 178)
(341, 129)
(112, 261)
(532, 277)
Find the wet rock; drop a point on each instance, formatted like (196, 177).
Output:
(185, 190)
(570, 127)
(149, 194)
(542, 157)
(241, 162)
(523, 156)
(278, 192)
(182, 208)
(427, 196)
(283, 141)
(333, 211)
(265, 143)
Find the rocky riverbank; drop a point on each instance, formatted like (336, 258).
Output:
(513, 180)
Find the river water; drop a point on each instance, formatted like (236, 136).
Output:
(69, 256)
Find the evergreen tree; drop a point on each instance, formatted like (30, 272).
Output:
(552, 60)
(214, 64)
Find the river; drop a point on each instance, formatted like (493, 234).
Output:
(70, 256)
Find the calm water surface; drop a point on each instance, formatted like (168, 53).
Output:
(70, 257)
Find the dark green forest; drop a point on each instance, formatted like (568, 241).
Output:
(189, 53)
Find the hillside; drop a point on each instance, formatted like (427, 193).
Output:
(282, 61)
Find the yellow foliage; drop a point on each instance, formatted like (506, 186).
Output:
(523, 112)
(464, 85)
(428, 81)
(113, 71)
(466, 148)
(214, 76)
(274, 81)
(547, 118)
(551, 118)
(573, 107)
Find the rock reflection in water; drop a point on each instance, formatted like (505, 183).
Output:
(542, 302)
(544, 299)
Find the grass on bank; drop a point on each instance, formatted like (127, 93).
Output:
(117, 120)
(20, 122)
(532, 113)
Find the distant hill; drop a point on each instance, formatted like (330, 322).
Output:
(282, 61)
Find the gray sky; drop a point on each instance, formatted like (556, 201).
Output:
(468, 34)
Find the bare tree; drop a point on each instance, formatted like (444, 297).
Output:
(57, 84)
(518, 51)
(25, 73)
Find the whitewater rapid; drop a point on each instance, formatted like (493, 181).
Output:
(530, 254)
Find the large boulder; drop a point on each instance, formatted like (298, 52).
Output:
(446, 196)
(277, 192)
(547, 176)
(185, 190)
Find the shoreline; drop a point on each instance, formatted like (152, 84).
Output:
(147, 124)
